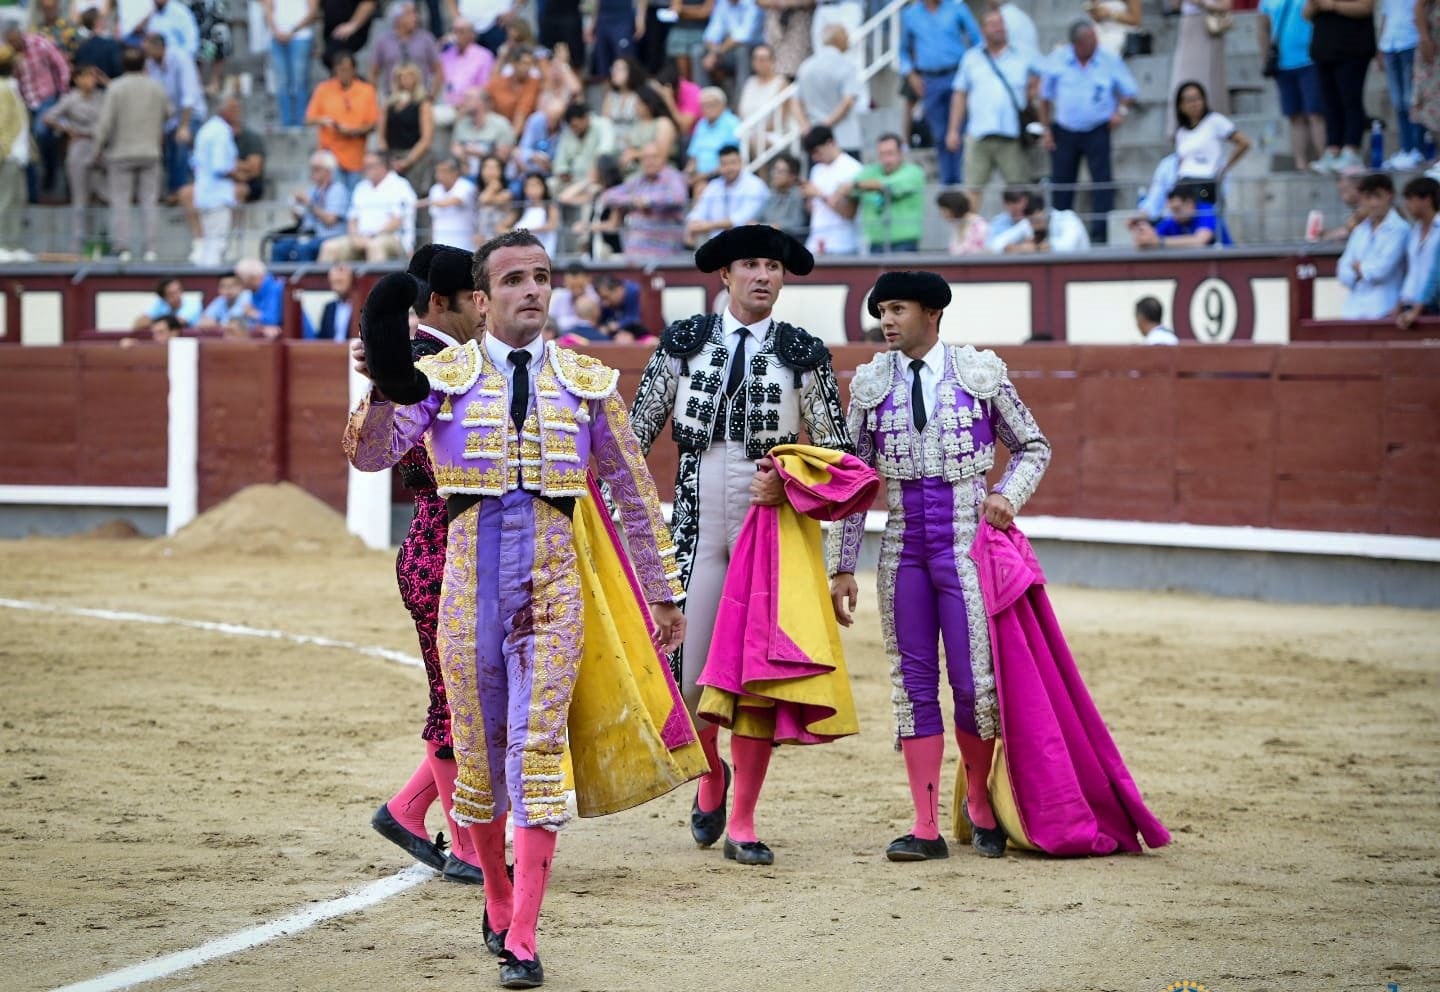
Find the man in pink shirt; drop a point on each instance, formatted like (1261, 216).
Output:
(465, 65)
(43, 75)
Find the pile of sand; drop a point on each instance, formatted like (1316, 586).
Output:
(266, 520)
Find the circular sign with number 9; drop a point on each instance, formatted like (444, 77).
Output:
(1213, 313)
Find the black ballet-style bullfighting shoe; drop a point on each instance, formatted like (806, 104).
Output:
(422, 849)
(463, 872)
(709, 827)
(912, 848)
(989, 841)
(517, 974)
(751, 852)
(494, 939)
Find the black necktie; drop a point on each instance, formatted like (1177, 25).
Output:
(737, 364)
(917, 395)
(520, 387)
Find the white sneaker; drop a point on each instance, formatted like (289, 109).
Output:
(21, 255)
(1403, 161)
(125, 256)
(150, 256)
(6, 255)
(1348, 161)
(1325, 164)
(1434, 172)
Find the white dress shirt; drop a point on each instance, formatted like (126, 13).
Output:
(929, 375)
(1067, 234)
(1380, 251)
(731, 325)
(1160, 334)
(499, 353)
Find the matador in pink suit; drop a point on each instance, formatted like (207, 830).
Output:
(512, 425)
(448, 317)
(927, 416)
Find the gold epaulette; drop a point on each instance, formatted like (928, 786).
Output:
(586, 377)
(453, 370)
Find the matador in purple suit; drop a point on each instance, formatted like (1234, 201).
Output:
(512, 425)
(927, 416)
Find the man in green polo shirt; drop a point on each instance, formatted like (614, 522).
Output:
(891, 195)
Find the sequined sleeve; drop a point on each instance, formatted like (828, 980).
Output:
(842, 547)
(1029, 450)
(380, 432)
(821, 411)
(622, 465)
(654, 398)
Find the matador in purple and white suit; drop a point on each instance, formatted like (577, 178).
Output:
(935, 485)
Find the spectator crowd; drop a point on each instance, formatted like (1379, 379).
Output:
(618, 133)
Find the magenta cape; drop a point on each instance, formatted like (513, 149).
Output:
(776, 669)
(1072, 792)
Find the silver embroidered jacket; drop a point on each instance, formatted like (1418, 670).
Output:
(789, 385)
(975, 406)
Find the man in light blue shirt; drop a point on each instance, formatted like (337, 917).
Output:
(733, 198)
(934, 35)
(176, 71)
(1086, 94)
(216, 156)
(734, 28)
(322, 208)
(716, 128)
(174, 20)
(994, 80)
(1373, 265)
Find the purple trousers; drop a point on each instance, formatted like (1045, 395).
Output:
(929, 593)
(511, 632)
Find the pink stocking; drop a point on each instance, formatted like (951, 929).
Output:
(923, 758)
(487, 840)
(409, 804)
(751, 756)
(442, 771)
(712, 783)
(977, 755)
(534, 851)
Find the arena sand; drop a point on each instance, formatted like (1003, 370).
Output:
(165, 786)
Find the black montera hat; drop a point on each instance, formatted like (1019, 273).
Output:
(926, 288)
(754, 241)
(450, 271)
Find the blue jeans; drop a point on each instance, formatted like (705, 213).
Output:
(177, 160)
(1400, 74)
(936, 109)
(292, 79)
(48, 168)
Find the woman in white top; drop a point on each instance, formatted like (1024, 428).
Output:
(1200, 140)
(1199, 54)
(763, 86)
(537, 213)
(290, 36)
(1114, 20)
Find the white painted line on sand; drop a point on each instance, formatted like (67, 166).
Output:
(369, 895)
(169, 964)
(236, 630)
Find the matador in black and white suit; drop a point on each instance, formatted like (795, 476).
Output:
(734, 385)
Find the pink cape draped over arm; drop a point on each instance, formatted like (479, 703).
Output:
(1072, 791)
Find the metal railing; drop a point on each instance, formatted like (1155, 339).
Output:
(878, 43)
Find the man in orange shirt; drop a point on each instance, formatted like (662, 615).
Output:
(346, 110)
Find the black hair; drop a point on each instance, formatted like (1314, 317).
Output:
(815, 137)
(654, 103)
(576, 110)
(525, 179)
(1034, 204)
(788, 159)
(1181, 121)
(638, 76)
(890, 136)
(1424, 188)
(728, 150)
(954, 201)
(480, 267)
(1187, 191)
(1377, 182)
(164, 281)
(1149, 308)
